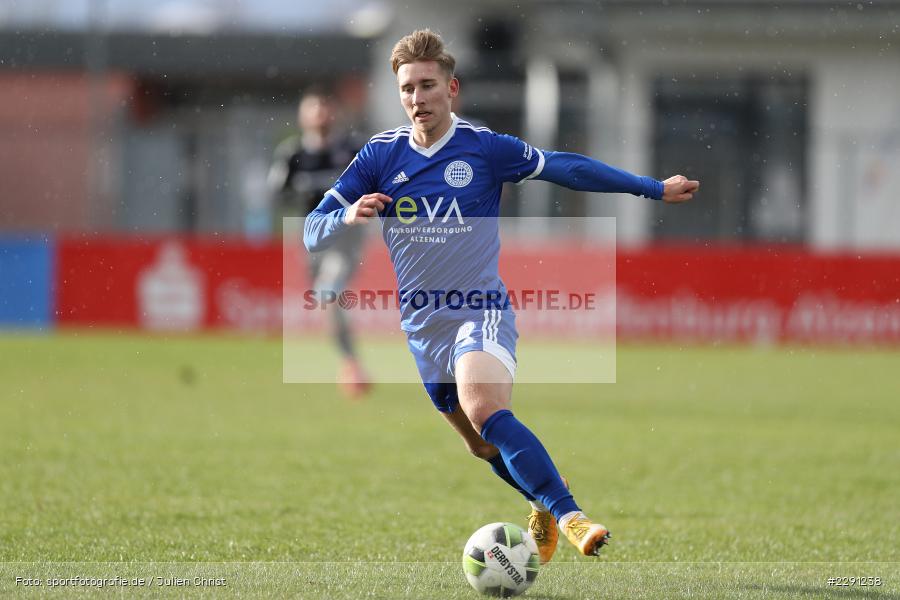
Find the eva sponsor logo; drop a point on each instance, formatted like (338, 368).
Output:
(435, 210)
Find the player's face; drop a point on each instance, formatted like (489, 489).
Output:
(426, 91)
(315, 113)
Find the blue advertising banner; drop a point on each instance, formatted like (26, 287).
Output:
(26, 281)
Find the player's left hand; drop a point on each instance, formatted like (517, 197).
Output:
(679, 188)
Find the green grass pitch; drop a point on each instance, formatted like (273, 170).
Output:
(722, 472)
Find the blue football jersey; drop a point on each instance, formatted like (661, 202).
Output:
(442, 227)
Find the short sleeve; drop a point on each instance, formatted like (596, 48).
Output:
(514, 160)
(357, 179)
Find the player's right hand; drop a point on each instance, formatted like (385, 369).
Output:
(365, 208)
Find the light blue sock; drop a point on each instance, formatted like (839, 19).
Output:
(528, 462)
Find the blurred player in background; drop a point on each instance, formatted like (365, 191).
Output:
(439, 170)
(304, 167)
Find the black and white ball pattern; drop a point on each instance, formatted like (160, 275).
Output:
(501, 560)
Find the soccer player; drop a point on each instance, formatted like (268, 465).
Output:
(435, 185)
(304, 167)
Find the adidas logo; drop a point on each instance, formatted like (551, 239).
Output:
(400, 178)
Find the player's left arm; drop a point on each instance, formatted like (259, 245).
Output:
(514, 160)
(586, 174)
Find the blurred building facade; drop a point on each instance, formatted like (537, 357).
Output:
(788, 112)
(138, 132)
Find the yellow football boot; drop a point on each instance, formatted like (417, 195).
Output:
(586, 535)
(542, 527)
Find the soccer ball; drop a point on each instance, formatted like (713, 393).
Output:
(501, 559)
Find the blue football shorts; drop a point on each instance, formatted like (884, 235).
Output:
(437, 347)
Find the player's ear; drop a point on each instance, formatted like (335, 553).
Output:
(454, 87)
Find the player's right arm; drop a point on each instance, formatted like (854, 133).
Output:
(335, 213)
(365, 208)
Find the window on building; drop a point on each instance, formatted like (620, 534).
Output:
(745, 139)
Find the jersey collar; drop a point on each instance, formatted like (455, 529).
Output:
(433, 149)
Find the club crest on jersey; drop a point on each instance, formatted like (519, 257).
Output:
(458, 174)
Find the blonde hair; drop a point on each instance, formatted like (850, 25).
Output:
(422, 45)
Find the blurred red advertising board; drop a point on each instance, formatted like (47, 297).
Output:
(169, 284)
(763, 295)
(684, 294)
